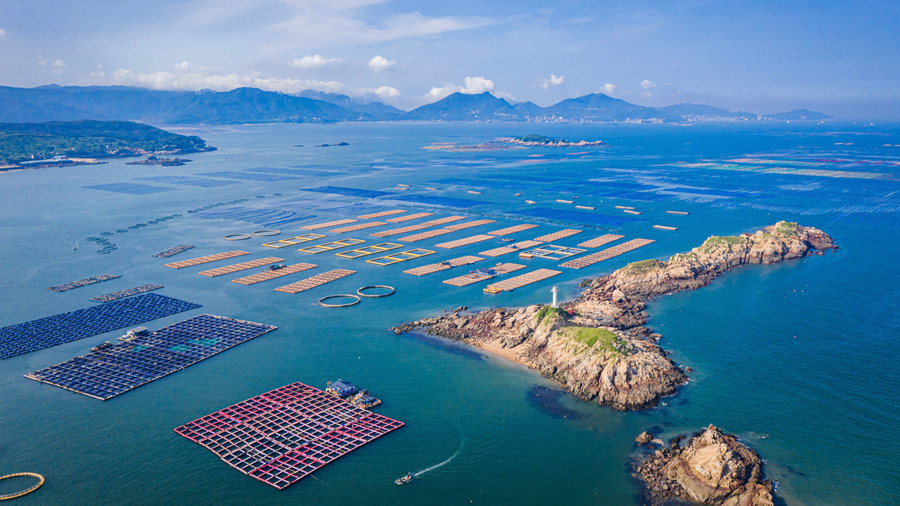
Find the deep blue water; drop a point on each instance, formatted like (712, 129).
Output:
(799, 359)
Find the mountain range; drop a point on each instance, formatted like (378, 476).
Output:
(251, 105)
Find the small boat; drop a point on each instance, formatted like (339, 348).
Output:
(74, 247)
(276, 267)
(403, 480)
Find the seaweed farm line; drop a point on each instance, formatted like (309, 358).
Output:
(111, 370)
(286, 434)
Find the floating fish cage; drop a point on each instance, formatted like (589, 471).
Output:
(513, 229)
(409, 217)
(600, 241)
(67, 327)
(128, 292)
(358, 226)
(284, 435)
(327, 224)
(469, 224)
(243, 266)
(555, 236)
(314, 281)
(270, 274)
(173, 251)
(508, 285)
(464, 241)
(381, 214)
(207, 259)
(606, 254)
(425, 235)
(441, 266)
(111, 370)
(398, 231)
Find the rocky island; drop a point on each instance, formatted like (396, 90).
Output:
(596, 346)
(714, 468)
(542, 141)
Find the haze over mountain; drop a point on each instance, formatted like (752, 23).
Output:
(251, 105)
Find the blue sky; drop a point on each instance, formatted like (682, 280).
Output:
(762, 56)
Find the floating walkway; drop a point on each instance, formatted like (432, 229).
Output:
(330, 246)
(555, 236)
(665, 227)
(513, 229)
(464, 241)
(82, 282)
(505, 250)
(293, 241)
(606, 254)
(600, 241)
(482, 275)
(358, 226)
(381, 214)
(508, 285)
(402, 256)
(114, 369)
(469, 224)
(62, 328)
(398, 231)
(269, 274)
(243, 266)
(121, 294)
(425, 235)
(442, 266)
(328, 224)
(552, 252)
(207, 259)
(682, 213)
(173, 251)
(369, 250)
(286, 434)
(631, 211)
(409, 217)
(314, 281)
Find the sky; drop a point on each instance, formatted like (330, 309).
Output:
(838, 57)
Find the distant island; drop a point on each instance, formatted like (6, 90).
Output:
(56, 143)
(255, 106)
(540, 140)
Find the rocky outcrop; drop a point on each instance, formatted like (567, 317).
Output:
(714, 468)
(595, 346)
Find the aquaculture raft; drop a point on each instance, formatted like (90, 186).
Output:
(358, 226)
(327, 224)
(464, 241)
(293, 241)
(513, 229)
(481, 275)
(114, 369)
(606, 254)
(505, 250)
(508, 285)
(398, 231)
(207, 259)
(173, 251)
(469, 224)
(555, 236)
(121, 294)
(369, 250)
(284, 435)
(442, 221)
(552, 252)
(600, 241)
(380, 214)
(269, 274)
(401, 256)
(4, 497)
(442, 266)
(409, 217)
(243, 266)
(82, 282)
(328, 246)
(67, 327)
(425, 235)
(314, 281)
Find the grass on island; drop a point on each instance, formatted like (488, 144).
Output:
(720, 240)
(547, 312)
(644, 266)
(786, 228)
(590, 336)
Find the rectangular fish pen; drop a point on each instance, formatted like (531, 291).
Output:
(606, 254)
(398, 231)
(513, 229)
(269, 274)
(111, 370)
(335, 223)
(555, 236)
(381, 214)
(369, 250)
(243, 266)
(358, 226)
(314, 281)
(401, 256)
(596, 242)
(482, 275)
(329, 246)
(409, 217)
(425, 235)
(286, 434)
(464, 241)
(508, 285)
(505, 250)
(207, 259)
(62, 328)
(442, 266)
(469, 224)
(293, 241)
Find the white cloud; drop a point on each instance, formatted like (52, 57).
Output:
(58, 63)
(387, 92)
(608, 88)
(553, 80)
(2, 33)
(646, 84)
(312, 62)
(379, 62)
(473, 85)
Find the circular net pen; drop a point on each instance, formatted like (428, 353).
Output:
(352, 300)
(376, 291)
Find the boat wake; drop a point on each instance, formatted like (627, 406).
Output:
(462, 440)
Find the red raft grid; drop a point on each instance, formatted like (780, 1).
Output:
(282, 436)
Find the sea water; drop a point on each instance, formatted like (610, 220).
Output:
(798, 359)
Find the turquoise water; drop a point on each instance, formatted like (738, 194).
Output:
(798, 359)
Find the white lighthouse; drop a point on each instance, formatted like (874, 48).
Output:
(555, 291)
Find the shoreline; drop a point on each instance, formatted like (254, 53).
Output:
(596, 346)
